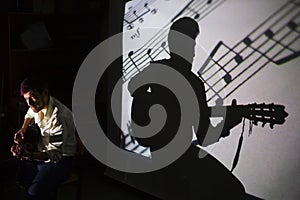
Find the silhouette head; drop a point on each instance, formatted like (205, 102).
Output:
(180, 45)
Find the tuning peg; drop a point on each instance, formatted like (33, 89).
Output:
(233, 102)
(285, 114)
(255, 123)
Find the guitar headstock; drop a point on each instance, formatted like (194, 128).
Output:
(266, 113)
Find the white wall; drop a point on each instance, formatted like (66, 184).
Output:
(269, 165)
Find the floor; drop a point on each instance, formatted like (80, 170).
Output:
(93, 184)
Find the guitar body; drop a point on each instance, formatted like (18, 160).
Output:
(25, 167)
(31, 138)
(29, 142)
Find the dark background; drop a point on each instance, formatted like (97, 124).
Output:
(73, 28)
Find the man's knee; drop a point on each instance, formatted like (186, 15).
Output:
(36, 190)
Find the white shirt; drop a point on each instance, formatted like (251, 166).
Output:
(57, 130)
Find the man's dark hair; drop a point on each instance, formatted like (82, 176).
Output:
(33, 82)
(187, 26)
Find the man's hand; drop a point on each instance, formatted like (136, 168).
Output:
(16, 150)
(234, 117)
(19, 152)
(19, 136)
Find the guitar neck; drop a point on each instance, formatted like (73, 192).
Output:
(220, 111)
(265, 113)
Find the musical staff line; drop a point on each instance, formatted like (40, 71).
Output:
(239, 63)
(161, 36)
(262, 55)
(205, 9)
(275, 40)
(251, 33)
(128, 142)
(153, 42)
(137, 13)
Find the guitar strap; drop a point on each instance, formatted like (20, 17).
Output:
(237, 154)
(250, 127)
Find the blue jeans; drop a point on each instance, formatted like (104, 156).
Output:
(47, 178)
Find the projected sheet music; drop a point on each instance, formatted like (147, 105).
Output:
(234, 61)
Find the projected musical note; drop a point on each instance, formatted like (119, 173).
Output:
(197, 15)
(219, 101)
(293, 35)
(129, 55)
(156, 47)
(137, 13)
(227, 77)
(157, 43)
(275, 40)
(198, 9)
(149, 54)
(163, 45)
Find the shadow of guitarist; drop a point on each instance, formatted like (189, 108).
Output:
(188, 177)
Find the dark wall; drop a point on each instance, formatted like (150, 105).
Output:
(75, 27)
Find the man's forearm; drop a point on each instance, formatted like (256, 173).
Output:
(26, 123)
